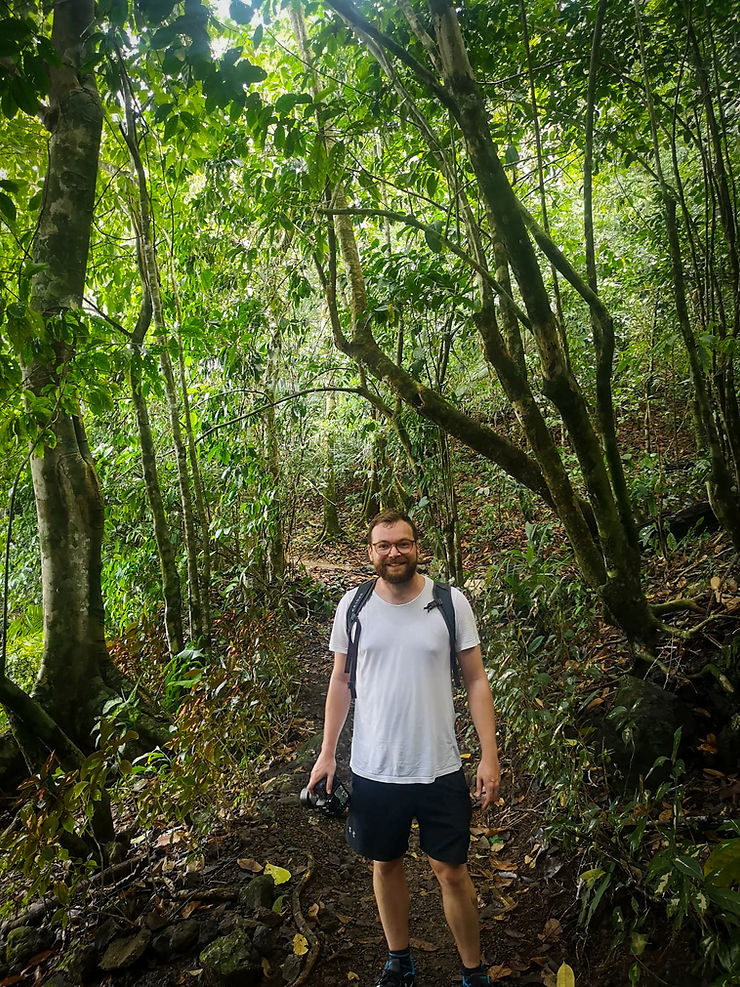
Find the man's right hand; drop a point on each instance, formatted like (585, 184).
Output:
(325, 767)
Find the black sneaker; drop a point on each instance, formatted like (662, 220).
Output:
(478, 979)
(393, 977)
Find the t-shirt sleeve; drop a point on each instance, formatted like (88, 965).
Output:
(466, 630)
(338, 640)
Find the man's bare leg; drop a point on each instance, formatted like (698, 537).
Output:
(461, 908)
(392, 897)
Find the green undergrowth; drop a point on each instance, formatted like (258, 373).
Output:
(228, 712)
(550, 669)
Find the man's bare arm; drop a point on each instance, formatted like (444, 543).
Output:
(480, 701)
(335, 713)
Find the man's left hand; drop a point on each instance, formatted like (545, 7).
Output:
(487, 782)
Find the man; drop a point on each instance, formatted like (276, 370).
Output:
(405, 761)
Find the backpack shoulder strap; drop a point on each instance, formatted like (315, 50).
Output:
(358, 601)
(443, 596)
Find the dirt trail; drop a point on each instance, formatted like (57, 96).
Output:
(527, 895)
(527, 902)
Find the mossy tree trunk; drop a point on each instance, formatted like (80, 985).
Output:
(76, 676)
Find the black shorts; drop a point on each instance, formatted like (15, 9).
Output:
(381, 814)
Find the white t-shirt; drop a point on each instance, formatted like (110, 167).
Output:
(404, 726)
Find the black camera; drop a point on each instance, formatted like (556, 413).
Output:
(332, 804)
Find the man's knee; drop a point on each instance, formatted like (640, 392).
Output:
(388, 868)
(454, 877)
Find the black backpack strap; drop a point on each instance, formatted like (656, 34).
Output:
(443, 600)
(358, 601)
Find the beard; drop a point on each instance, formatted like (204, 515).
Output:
(401, 570)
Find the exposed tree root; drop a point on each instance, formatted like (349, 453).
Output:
(673, 606)
(304, 927)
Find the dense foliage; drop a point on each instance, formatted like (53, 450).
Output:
(482, 264)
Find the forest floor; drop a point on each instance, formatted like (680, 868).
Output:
(330, 933)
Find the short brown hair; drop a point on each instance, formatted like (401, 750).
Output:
(391, 516)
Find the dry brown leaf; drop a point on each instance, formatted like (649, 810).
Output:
(253, 866)
(540, 961)
(313, 911)
(191, 907)
(427, 947)
(499, 972)
(552, 932)
(503, 864)
(170, 838)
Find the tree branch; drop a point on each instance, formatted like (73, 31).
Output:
(408, 220)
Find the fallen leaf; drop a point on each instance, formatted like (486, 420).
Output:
(191, 907)
(352, 976)
(566, 977)
(313, 911)
(427, 947)
(553, 931)
(499, 972)
(170, 838)
(300, 945)
(253, 866)
(279, 874)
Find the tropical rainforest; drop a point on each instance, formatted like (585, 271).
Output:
(266, 268)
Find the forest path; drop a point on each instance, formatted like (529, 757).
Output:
(528, 896)
(528, 909)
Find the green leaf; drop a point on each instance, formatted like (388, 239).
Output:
(14, 29)
(249, 73)
(286, 102)
(722, 865)
(156, 10)
(164, 36)
(240, 12)
(279, 874)
(257, 36)
(25, 95)
(7, 207)
(690, 867)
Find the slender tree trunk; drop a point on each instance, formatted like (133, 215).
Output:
(331, 528)
(165, 549)
(201, 504)
(723, 498)
(151, 284)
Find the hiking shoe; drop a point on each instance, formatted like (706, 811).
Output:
(392, 976)
(477, 979)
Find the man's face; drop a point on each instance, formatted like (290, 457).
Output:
(393, 552)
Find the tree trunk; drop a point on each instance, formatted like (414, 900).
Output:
(150, 276)
(69, 502)
(331, 527)
(722, 496)
(165, 550)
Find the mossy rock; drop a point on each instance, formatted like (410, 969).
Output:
(231, 961)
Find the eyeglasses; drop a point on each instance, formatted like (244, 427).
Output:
(403, 546)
